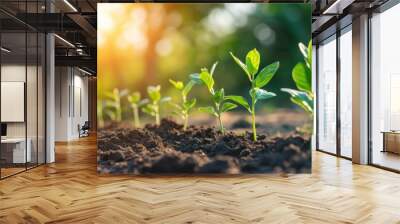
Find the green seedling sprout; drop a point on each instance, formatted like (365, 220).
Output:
(186, 104)
(114, 103)
(135, 101)
(100, 113)
(153, 107)
(258, 81)
(301, 75)
(220, 104)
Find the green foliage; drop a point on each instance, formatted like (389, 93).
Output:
(153, 107)
(301, 75)
(135, 101)
(218, 97)
(258, 81)
(186, 105)
(113, 104)
(300, 98)
(100, 117)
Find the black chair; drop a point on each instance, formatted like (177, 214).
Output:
(84, 130)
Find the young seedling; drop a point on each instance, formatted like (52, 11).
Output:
(258, 81)
(135, 101)
(186, 105)
(100, 109)
(220, 104)
(114, 102)
(153, 108)
(301, 75)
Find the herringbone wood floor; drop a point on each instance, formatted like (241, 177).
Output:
(70, 191)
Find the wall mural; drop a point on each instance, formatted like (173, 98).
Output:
(204, 88)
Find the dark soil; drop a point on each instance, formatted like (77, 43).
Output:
(167, 149)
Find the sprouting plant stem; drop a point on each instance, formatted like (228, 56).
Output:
(185, 123)
(253, 121)
(136, 116)
(253, 113)
(218, 110)
(118, 108)
(157, 113)
(221, 126)
(184, 113)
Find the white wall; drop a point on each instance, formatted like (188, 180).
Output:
(12, 73)
(327, 96)
(71, 94)
(33, 127)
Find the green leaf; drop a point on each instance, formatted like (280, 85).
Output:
(189, 104)
(143, 102)
(177, 106)
(115, 93)
(266, 74)
(134, 98)
(302, 77)
(209, 110)
(177, 84)
(123, 93)
(195, 77)
(109, 95)
(239, 100)
(154, 93)
(306, 51)
(303, 104)
(213, 68)
(303, 50)
(219, 95)
(261, 94)
(111, 114)
(165, 99)
(149, 109)
(242, 65)
(188, 87)
(300, 98)
(253, 62)
(228, 106)
(207, 79)
(309, 55)
(110, 103)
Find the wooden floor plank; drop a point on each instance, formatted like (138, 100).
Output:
(71, 191)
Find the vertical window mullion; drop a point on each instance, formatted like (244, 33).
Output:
(338, 78)
(317, 96)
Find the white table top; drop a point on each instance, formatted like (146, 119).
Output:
(13, 140)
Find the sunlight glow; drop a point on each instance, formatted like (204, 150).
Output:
(164, 47)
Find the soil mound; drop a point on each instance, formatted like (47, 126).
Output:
(168, 149)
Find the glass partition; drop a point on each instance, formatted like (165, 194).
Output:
(385, 89)
(14, 153)
(346, 92)
(31, 97)
(22, 77)
(327, 95)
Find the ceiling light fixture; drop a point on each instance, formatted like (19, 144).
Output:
(331, 7)
(70, 5)
(337, 7)
(5, 50)
(84, 71)
(64, 40)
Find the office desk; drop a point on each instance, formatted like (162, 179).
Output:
(15, 148)
(391, 141)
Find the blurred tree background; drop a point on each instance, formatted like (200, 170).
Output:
(149, 43)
